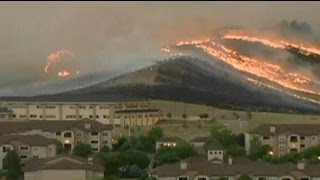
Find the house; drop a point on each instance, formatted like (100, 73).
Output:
(27, 146)
(67, 132)
(62, 167)
(215, 166)
(284, 138)
(168, 141)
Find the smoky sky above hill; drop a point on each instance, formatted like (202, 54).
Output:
(105, 35)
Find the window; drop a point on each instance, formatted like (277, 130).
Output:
(22, 116)
(105, 142)
(262, 178)
(302, 138)
(293, 150)
(79, 134)
(70, 116)
(23, 157)
(35, 157)
(282, 138)
(202, 178)
(94, 142)
(105, 134)
(282, 147)
(39, 106)
(90, 116)
(302, 145)
(58, 133)
(90, 107)
(79, 141)
(67, 135)
(97, 116)
(220, 152)
(95, 149)
(139, 116)
(210, 152)
(13, 115)
(50, 107)
(105, 116)
(5, 149)
(33, 116)
(183, 178)
(304, 178)
(24, 148)
(50, 116)
(94, 133)
(313, 138)
(265, 137)
(293, 138)
(72, 107)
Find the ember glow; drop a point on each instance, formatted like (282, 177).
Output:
(273, 42)
(57, 57)
(272, 74)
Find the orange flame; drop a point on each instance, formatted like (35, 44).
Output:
(64, 73)
(257, 67)
(272, 42)
(57, 57)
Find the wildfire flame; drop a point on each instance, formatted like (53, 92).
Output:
(57, 57)
(272, 42)
(261, 68)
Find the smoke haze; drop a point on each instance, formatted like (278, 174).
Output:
(106, 35)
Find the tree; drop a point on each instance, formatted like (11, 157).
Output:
(236, 150)
(11, 163)
(135, 157)
(111, 162)
(184, 150)
(257, 150)
(146, 144)
(132, 171)
(240, 139)
(82, 150)
(311, 152)
(245, 177)
(156, 133)
(224, 136)
(104, 149)
(119, 143)
(166, 155)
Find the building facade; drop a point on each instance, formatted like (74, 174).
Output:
(67, 132)
(27, 146)
(105, 112)
(62, 167)
(284, 138)
(215, 166)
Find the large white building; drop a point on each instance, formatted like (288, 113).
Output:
(111, 111)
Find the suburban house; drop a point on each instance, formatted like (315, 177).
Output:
(67, 132)
(27, 146)
(62, 167)
(215, 166)
(167, 141)
(285, 138)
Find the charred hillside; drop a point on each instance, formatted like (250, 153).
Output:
(191, 80)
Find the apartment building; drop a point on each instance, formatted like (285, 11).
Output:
(215, 166)
(68, 132)
(285, 138)
(75, 109)
(62, 167)
(27, 146)
(138, 117)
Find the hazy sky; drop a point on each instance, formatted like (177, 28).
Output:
(104, 34)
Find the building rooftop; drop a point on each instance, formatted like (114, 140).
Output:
(12, 126)
(138, 111)
(61, 162)
(200, 139)
(240, 165)
(302, 129)
(170, 139)
(31, 140)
